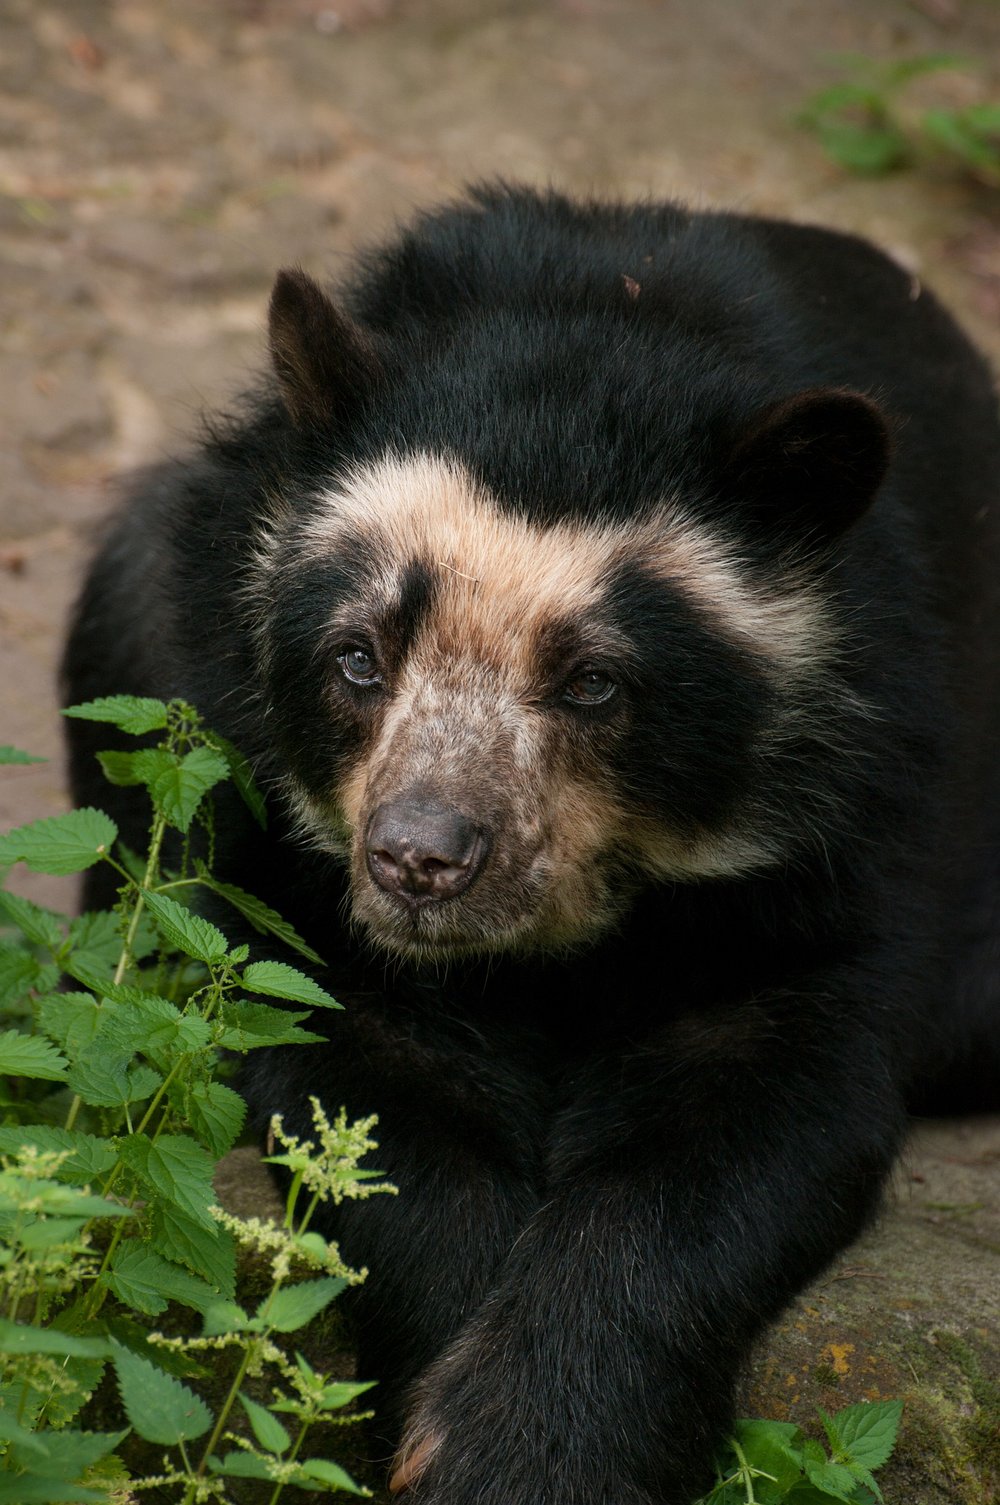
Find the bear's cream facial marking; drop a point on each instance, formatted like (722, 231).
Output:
(483, 658)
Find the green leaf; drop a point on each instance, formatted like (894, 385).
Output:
(216, 1114)
(146, 1282)
(70, 1019)
(872, 149)
(28, 1056)
(179, 789)
(20, 972)
(135, 714)
(51, 1233)
(266, 1428)
(96, 939)
(17, 1489)
(10, 754)
(278, 980)
(260, 915)
(865, 1433)
(291, 1307)
(829, 1478)
(90, 1157)
(240, 1465)
(159, 1407)
(68, 1454)
(60, 843)
(176, 1168)
(104, 1079)
(243, 778)
(208, 1252)
(15, 1337)
(249, 1025)
(313, 1470)
(42, 926)
(334, 1396)
(188, 932)
(227, 1317)
(773, 1447)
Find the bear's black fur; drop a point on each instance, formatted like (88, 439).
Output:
(641, 1063)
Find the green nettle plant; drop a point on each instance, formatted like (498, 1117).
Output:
(115, 1108)
(866, 123)
(768, 1462)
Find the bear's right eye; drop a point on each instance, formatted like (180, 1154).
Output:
(360, 666)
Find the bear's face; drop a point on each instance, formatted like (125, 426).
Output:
(506, 727)
(506, 699)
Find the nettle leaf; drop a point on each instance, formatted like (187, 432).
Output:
(28, 1056)
(134, 1021)
(175, 1168)
(774, 1447)
(208, 1252)
(42, 926)
(278, 980)
(90, 1156)
(829, 1478)
(159, 1407)
(71, 1019)
(60, 843)
(334, 1396)
(16, 1337)
(43, 1489)
(240, 1465)
(228, 1317)
(242, 776)
(145, 1281)
(20, 972)
(188, 932)
(180, 788)
(10, 754)
(319, 1470)
(260, 915)
(68, 1454)
(135, 714)
(865, 1433)
(215, 1112)
(96, 939)
(246, 1026)
(266, 1428)
(106, 1080)
(291, 1307)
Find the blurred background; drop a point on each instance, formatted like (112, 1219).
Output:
(158, 162)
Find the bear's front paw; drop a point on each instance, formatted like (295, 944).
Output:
(411, 1460)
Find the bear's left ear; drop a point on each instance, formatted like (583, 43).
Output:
(323, 361)
(811, 464)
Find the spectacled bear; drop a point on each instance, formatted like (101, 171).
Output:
(607, 598)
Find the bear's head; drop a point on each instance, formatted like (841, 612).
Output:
(507, 716)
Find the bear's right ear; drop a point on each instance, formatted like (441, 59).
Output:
(810, 465)
(323, 361)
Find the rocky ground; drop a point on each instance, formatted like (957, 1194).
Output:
(158, 162)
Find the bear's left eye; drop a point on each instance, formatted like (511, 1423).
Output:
(589, 687)
(360, 666)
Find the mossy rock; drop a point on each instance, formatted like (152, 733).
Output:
(911, 1311)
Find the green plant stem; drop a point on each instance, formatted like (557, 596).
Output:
(296, 1446)
(220, 1421)
(152, 868)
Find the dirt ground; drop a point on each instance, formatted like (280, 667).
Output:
(159, 161)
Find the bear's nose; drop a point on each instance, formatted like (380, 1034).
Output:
(417, 849)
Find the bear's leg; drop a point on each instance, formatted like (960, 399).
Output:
(692, 1187)
(459, 1133)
